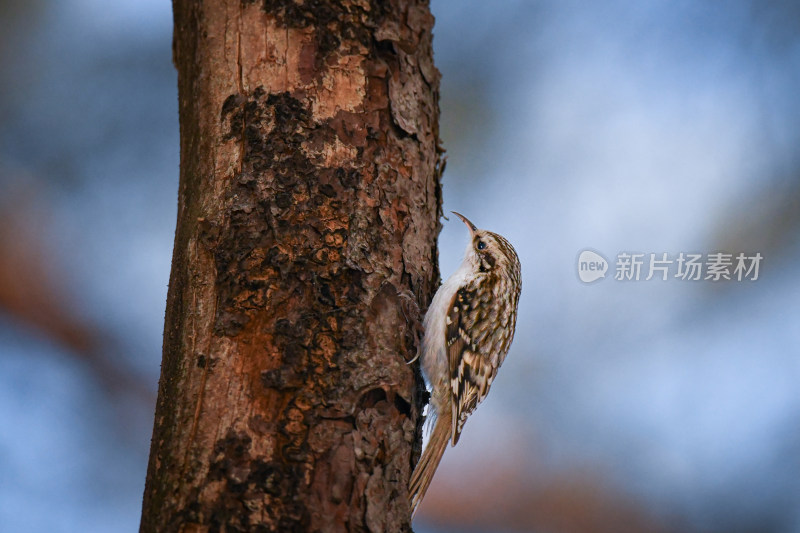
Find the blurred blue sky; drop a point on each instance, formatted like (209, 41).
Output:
(656, 127)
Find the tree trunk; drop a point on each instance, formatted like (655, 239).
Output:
(306, 244)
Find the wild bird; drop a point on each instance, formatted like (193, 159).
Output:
(469, 327)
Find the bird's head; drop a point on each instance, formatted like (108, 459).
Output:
(488, 251)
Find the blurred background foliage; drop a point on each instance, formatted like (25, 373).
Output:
(661, 126)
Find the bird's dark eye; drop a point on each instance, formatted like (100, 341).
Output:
(481, 245)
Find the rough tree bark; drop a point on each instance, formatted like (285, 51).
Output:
(308, 212)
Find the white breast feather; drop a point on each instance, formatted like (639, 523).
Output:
(434, 352)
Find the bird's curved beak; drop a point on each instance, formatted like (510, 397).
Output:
(465, 220)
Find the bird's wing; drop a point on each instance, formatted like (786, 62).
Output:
(472, 364)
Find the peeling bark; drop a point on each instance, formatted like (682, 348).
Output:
(305, 247)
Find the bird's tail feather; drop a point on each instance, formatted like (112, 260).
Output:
(426, 467)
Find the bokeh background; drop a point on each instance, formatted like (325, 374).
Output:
(660, 126)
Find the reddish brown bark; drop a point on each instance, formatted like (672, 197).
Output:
(308, 212)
